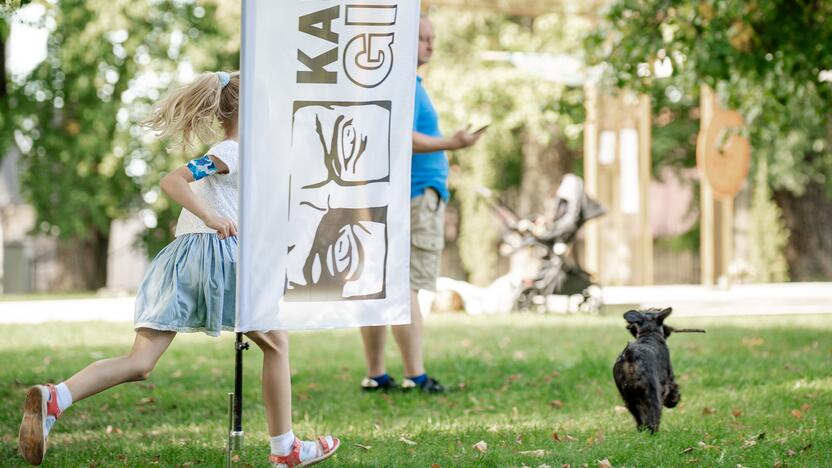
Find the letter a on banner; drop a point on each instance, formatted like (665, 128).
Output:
(326, 119)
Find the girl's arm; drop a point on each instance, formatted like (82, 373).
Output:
(176, 186)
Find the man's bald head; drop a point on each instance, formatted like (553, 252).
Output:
(426, 38)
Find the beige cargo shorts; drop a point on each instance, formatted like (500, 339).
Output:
(427, 238)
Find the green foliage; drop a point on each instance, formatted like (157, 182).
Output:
(767, 235)
(85, 161)
(503, 372)
(521, 106)
(764, 58)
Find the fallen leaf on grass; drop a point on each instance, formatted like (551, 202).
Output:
(480, 446)
(805, 407)
(406, 441)
(557, 404)
(435, 465)
(111, 429)
(620, 409)
(708, 410)
(596, 439)
(362, 446)
(749, 443)
(736, 413)
(687, 450)
(704, 445)
(604, 464)
(791, 452)
(797, 414)
(753, 342)
(235, 458)
(534, 453)
(561, 438)
(147, 401)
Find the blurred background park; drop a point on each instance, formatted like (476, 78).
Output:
(702, 126)
(609, 90)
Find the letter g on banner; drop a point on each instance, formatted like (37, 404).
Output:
(368, 57)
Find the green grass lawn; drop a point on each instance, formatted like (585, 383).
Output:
(755, 392)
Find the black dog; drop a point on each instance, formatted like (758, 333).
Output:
(643, 373)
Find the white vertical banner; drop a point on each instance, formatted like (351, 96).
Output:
(326, 119)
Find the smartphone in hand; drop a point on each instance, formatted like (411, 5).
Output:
(481, 129)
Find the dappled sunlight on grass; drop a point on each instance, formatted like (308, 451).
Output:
(536, 389)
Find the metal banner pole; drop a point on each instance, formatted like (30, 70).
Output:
(235, 410)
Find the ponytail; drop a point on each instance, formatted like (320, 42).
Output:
(192, 111)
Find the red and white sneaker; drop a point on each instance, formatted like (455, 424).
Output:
(326, 447)
(39, 414)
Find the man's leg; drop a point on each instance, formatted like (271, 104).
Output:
(374, 339)
(427, 218)
(409, 339)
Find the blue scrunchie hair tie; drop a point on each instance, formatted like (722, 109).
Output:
(224, 79)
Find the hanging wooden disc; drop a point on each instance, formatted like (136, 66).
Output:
(723, 155)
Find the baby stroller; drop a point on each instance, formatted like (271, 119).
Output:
(552, 241)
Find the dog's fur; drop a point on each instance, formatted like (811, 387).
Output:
(643, 373)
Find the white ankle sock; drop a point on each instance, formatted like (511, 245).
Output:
(64, 396)
(64, 402)
(282, 444)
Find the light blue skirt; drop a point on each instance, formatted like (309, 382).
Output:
(190, 286)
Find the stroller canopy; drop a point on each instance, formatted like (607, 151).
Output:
(573, 208)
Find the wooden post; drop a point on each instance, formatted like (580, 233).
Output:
(717, 216)
(645, 149)
(592, 239)
(617, 172)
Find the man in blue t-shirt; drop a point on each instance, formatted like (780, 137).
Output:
(429, 194)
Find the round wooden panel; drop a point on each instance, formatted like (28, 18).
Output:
(723, 155)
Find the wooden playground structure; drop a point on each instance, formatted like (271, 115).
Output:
(618, 248)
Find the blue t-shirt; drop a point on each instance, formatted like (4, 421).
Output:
(427, 169)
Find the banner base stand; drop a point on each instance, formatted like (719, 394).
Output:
(235, 402)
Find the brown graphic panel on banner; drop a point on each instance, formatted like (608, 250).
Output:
(723, 155)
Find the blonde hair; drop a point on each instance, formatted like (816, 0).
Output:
(193, 110)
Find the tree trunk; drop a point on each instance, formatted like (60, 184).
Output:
(543, 168)
(83, 262)
(809, 220)
(3, 88)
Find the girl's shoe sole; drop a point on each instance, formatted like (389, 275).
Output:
(30, 439)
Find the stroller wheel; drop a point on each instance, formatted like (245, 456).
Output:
(529, 301)
(523, 302)
(590, 304)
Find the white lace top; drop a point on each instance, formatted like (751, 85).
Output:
(219, 192)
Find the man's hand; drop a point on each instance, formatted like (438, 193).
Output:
(464, 138)
(224, 226)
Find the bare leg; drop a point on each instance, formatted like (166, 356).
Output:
(148, 347)
(374, 339)
(277, 379)
(409, 339)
